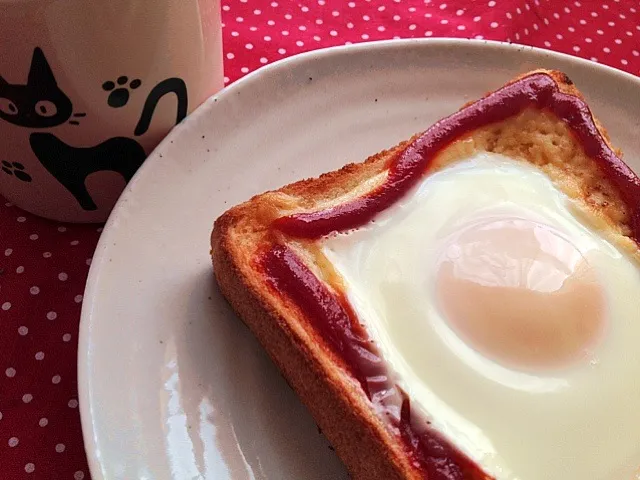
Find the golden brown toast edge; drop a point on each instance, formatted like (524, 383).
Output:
(333, 397)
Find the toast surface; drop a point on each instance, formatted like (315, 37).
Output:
(371, 449)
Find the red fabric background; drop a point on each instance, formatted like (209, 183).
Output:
(43, 265)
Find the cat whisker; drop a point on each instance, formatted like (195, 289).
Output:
(79, 114)
(73, 122)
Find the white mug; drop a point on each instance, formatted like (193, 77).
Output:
(89, 87)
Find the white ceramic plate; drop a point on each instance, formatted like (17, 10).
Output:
(172, 385)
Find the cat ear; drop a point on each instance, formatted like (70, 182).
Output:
(40, 72)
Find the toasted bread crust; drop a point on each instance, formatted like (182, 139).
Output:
(340, 407)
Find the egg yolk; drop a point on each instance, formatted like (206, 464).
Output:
(519, 292)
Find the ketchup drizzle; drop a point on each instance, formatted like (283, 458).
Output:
(538, 90)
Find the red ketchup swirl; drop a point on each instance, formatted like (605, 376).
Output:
(538, 90)
(331, 316)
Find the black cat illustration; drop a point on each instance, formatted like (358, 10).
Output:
(40, 103)
(72, 165)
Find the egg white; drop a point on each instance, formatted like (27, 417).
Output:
(575, 423)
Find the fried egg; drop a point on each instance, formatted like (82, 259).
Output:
(512, 324)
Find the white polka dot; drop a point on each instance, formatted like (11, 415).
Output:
(491, 3)
(428, 33)
(351, 4)
(226, 8)
(576, 48)
(316, 38)
(62, 229)
(288, 16)
(635, 53)
(304, 9)
(479, 37)
(300, 43)
(73, 403)
(282, 51)
(33, 236)
(381, 28)
(234, 34)
(349, 25)
(285, 32)
(56, 379)
(302, 28)
(583, 22)
(52, 315)
(571, 29)
(74, 242)
(556, 16)
(13, 441)
(21, 219)
(606, 50)
(413, 26)
(79, 475)
(239, 19)
(8, 252)
(459, 12)
(62, 276)
(39, 356)
(34, 290)
(588, 40)
(547, 43)
(617, 41)
(8, 204)
(559, 36)
(381, 8)
(226, 80)
(624, 62)
(43, 422)
(257, 12)
(23, 330)
(263, 60)
(88, 260)
(477, 19)
(10, 372)
(249, 46)
(599, 32)
(27, 397)
(60, 447)
(78, 298)
(46, 254)
(6, 306)
(230, 56)
(366, 18)
(461, 27)
(444, 21)
(494, 25)
(443, 6)
(319, 21)
(364, 36)
(412, 9)
(0, 415)
(29, 468)
(611, 24)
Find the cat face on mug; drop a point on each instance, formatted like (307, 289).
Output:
(39, 103)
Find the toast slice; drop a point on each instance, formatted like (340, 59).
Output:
(558, 135)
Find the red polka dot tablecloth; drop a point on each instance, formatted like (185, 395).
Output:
(43, 264)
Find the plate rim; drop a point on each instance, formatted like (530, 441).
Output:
(85, 395)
